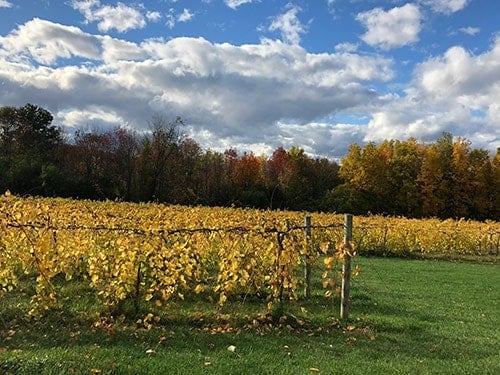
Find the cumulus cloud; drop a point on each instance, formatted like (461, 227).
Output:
(253, 96)
(289, 25)
(45, 42)
(232, 94)
(446, 6)
(455, 92)
(321, 138)
(120, 17)
(394, 28)
(48, 43)
(5, 4)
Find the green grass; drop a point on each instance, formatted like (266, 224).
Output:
(407, 317)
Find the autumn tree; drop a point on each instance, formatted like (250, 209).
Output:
(461, 180)
(430, 179)
(212, 178)
(443, 179)
(483, 186)
(275, 174)
(159, 154)
(28, 145)
(188, 178)
(495, 186)
(406, 165)
(297, 189)
(248, 181)
(368, 171)
(444, 147)
(94, 162)
(125, 145)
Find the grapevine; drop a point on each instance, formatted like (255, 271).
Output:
(151, 253)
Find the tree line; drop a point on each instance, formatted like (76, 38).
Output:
(443, 179)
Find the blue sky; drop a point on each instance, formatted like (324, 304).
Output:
(258, 74)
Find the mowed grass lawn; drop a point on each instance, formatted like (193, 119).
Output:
(407, 317)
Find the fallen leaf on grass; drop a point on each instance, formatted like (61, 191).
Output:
(314, 369)
(231, 348)
(161, 340)
(351, 341)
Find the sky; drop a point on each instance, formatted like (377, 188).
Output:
(258, 74)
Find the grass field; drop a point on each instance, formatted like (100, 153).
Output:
(407, 317)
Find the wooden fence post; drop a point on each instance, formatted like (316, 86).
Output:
(346, 268)
(307, 266)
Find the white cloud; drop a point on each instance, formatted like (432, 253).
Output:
(120, 17)
(346, 47)
(185, 16)
(446, 6)
(456, 92)
(153, 16)
(75, 118)
(394, 28)
(320, 138)
(46, 42)
(235, 94)
(114, 50)
(254, 96)
(173, 18)
(460, 74)
(470, 30)
(5, 4)
(289, 25)
(233, 4)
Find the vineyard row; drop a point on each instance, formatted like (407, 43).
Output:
(149, 252)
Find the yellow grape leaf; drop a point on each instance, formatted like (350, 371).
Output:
(357, 270)
(198, 289)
